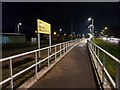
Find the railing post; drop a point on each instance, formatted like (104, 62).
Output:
(98, 57)
(39, 58)
(55, 53)
(95, 49)
(103, 73)
(36, 59)
(60, 50)
(69, 45)
(48, 56)
(0, 75)
(92, 47)
(118, 77)
(11, 73)
(66, 46)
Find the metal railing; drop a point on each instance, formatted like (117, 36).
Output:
(61, 49)
(101, 58)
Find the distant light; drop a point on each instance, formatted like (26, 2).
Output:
(106, 28)
(102, 30)
(89, 19)
(88, 26)
(20, 23)
(90, 29)
(83, 35)
(60, 30)
(90, 35)
(91, 25)
(104, 38)
(64, 34)
(55, 33)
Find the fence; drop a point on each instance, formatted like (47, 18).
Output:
(107, 66)
(49, 55)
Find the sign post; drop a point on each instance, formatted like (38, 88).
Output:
(45, 28)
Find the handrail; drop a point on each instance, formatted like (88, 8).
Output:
(110, 55)
(67, 46)
(94, 51)
(29, 52)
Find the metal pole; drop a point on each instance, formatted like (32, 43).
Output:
(93, 28)
(67, 46)
(97, 61)
(38, 40)
(95, 50)
(11, 82)
(39, 48)
(48, 56)
(18, 28)
(118, 77)
(55, 53)
(0, 75)
(103, 73)
(64, 48)
(36, 59)
(60, 50)
(50, 44)
(71, 29)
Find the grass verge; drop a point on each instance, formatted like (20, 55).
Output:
(113, 49)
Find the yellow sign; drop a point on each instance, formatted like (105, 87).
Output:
(43, 27)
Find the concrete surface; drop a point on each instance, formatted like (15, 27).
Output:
(73, 71)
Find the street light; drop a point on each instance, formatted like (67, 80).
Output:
(92, 25)
(105, 28)
(89, 19)
(60, 30)
(65, 34)
(19, 24)
(55, 33)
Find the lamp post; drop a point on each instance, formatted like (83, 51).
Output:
(92, 25)
(18, 25)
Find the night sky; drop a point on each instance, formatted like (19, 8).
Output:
(59, 15)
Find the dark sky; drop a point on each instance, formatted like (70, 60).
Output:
(59, 15)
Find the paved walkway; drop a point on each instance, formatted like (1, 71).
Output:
(73, 71)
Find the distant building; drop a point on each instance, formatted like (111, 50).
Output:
(12, 38)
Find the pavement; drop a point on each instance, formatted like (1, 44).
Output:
(73, 71)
